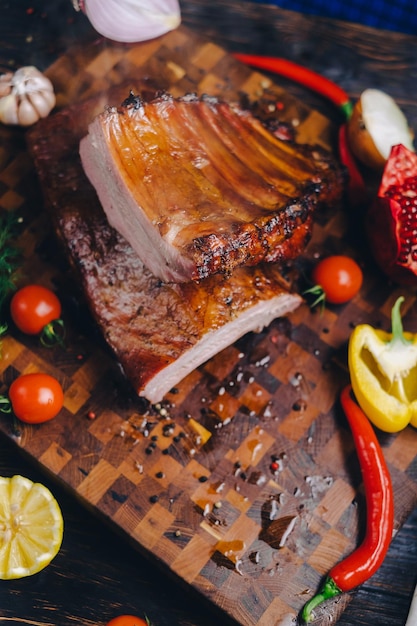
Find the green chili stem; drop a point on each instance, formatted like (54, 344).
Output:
(346, 108)
(329, 590)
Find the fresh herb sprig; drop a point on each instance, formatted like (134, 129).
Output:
(9, 255)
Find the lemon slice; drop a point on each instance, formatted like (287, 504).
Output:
(31, 527)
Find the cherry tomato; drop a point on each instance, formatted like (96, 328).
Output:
(34, 307)
(36, 397)
(339, 277)
(127, 620)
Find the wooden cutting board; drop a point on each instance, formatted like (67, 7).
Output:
(244, 483)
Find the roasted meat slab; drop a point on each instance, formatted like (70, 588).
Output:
(198, 186)
(158, 332)
(161, 332)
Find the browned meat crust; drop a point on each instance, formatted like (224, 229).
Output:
(198, 186)
(158, 332)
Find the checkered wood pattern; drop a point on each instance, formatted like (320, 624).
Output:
(244, 482)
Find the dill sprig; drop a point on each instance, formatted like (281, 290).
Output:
(9, 254)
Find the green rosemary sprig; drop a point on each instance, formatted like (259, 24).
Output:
(9, 254)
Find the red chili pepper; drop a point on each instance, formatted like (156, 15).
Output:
(363, 562)
(299, 74)
(356, 185)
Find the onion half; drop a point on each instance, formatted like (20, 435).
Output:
(377, 124)
(130, 21)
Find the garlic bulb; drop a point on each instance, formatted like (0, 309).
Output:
(25, 96)
(131, 21)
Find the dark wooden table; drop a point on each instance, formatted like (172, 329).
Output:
(97, 575)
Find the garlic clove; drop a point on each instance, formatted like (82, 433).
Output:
(30, 79)
(5, 84)
(42, 102)
(9, 109)
(27, 114)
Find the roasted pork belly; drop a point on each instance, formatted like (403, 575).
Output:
(161, 332)
(198, 186)
(158, 332)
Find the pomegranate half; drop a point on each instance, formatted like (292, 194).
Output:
(392, 218)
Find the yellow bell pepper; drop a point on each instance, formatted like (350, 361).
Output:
(383, 373)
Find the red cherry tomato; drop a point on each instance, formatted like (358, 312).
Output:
(36, 397)
(34, 307)
(339, 277)
(127, 620)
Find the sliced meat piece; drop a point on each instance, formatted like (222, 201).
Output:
(161, 332)
(158, 332)
(198, 186)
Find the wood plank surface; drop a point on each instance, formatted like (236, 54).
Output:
(330, 334)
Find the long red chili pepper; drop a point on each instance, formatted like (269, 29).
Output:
(327, 88)
(357, 189)
(363, 562)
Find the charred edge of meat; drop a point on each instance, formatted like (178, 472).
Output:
(249, 244)
(137, 101)
(133, 100)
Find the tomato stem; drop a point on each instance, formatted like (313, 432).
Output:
(5, 405)
(53, 334)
